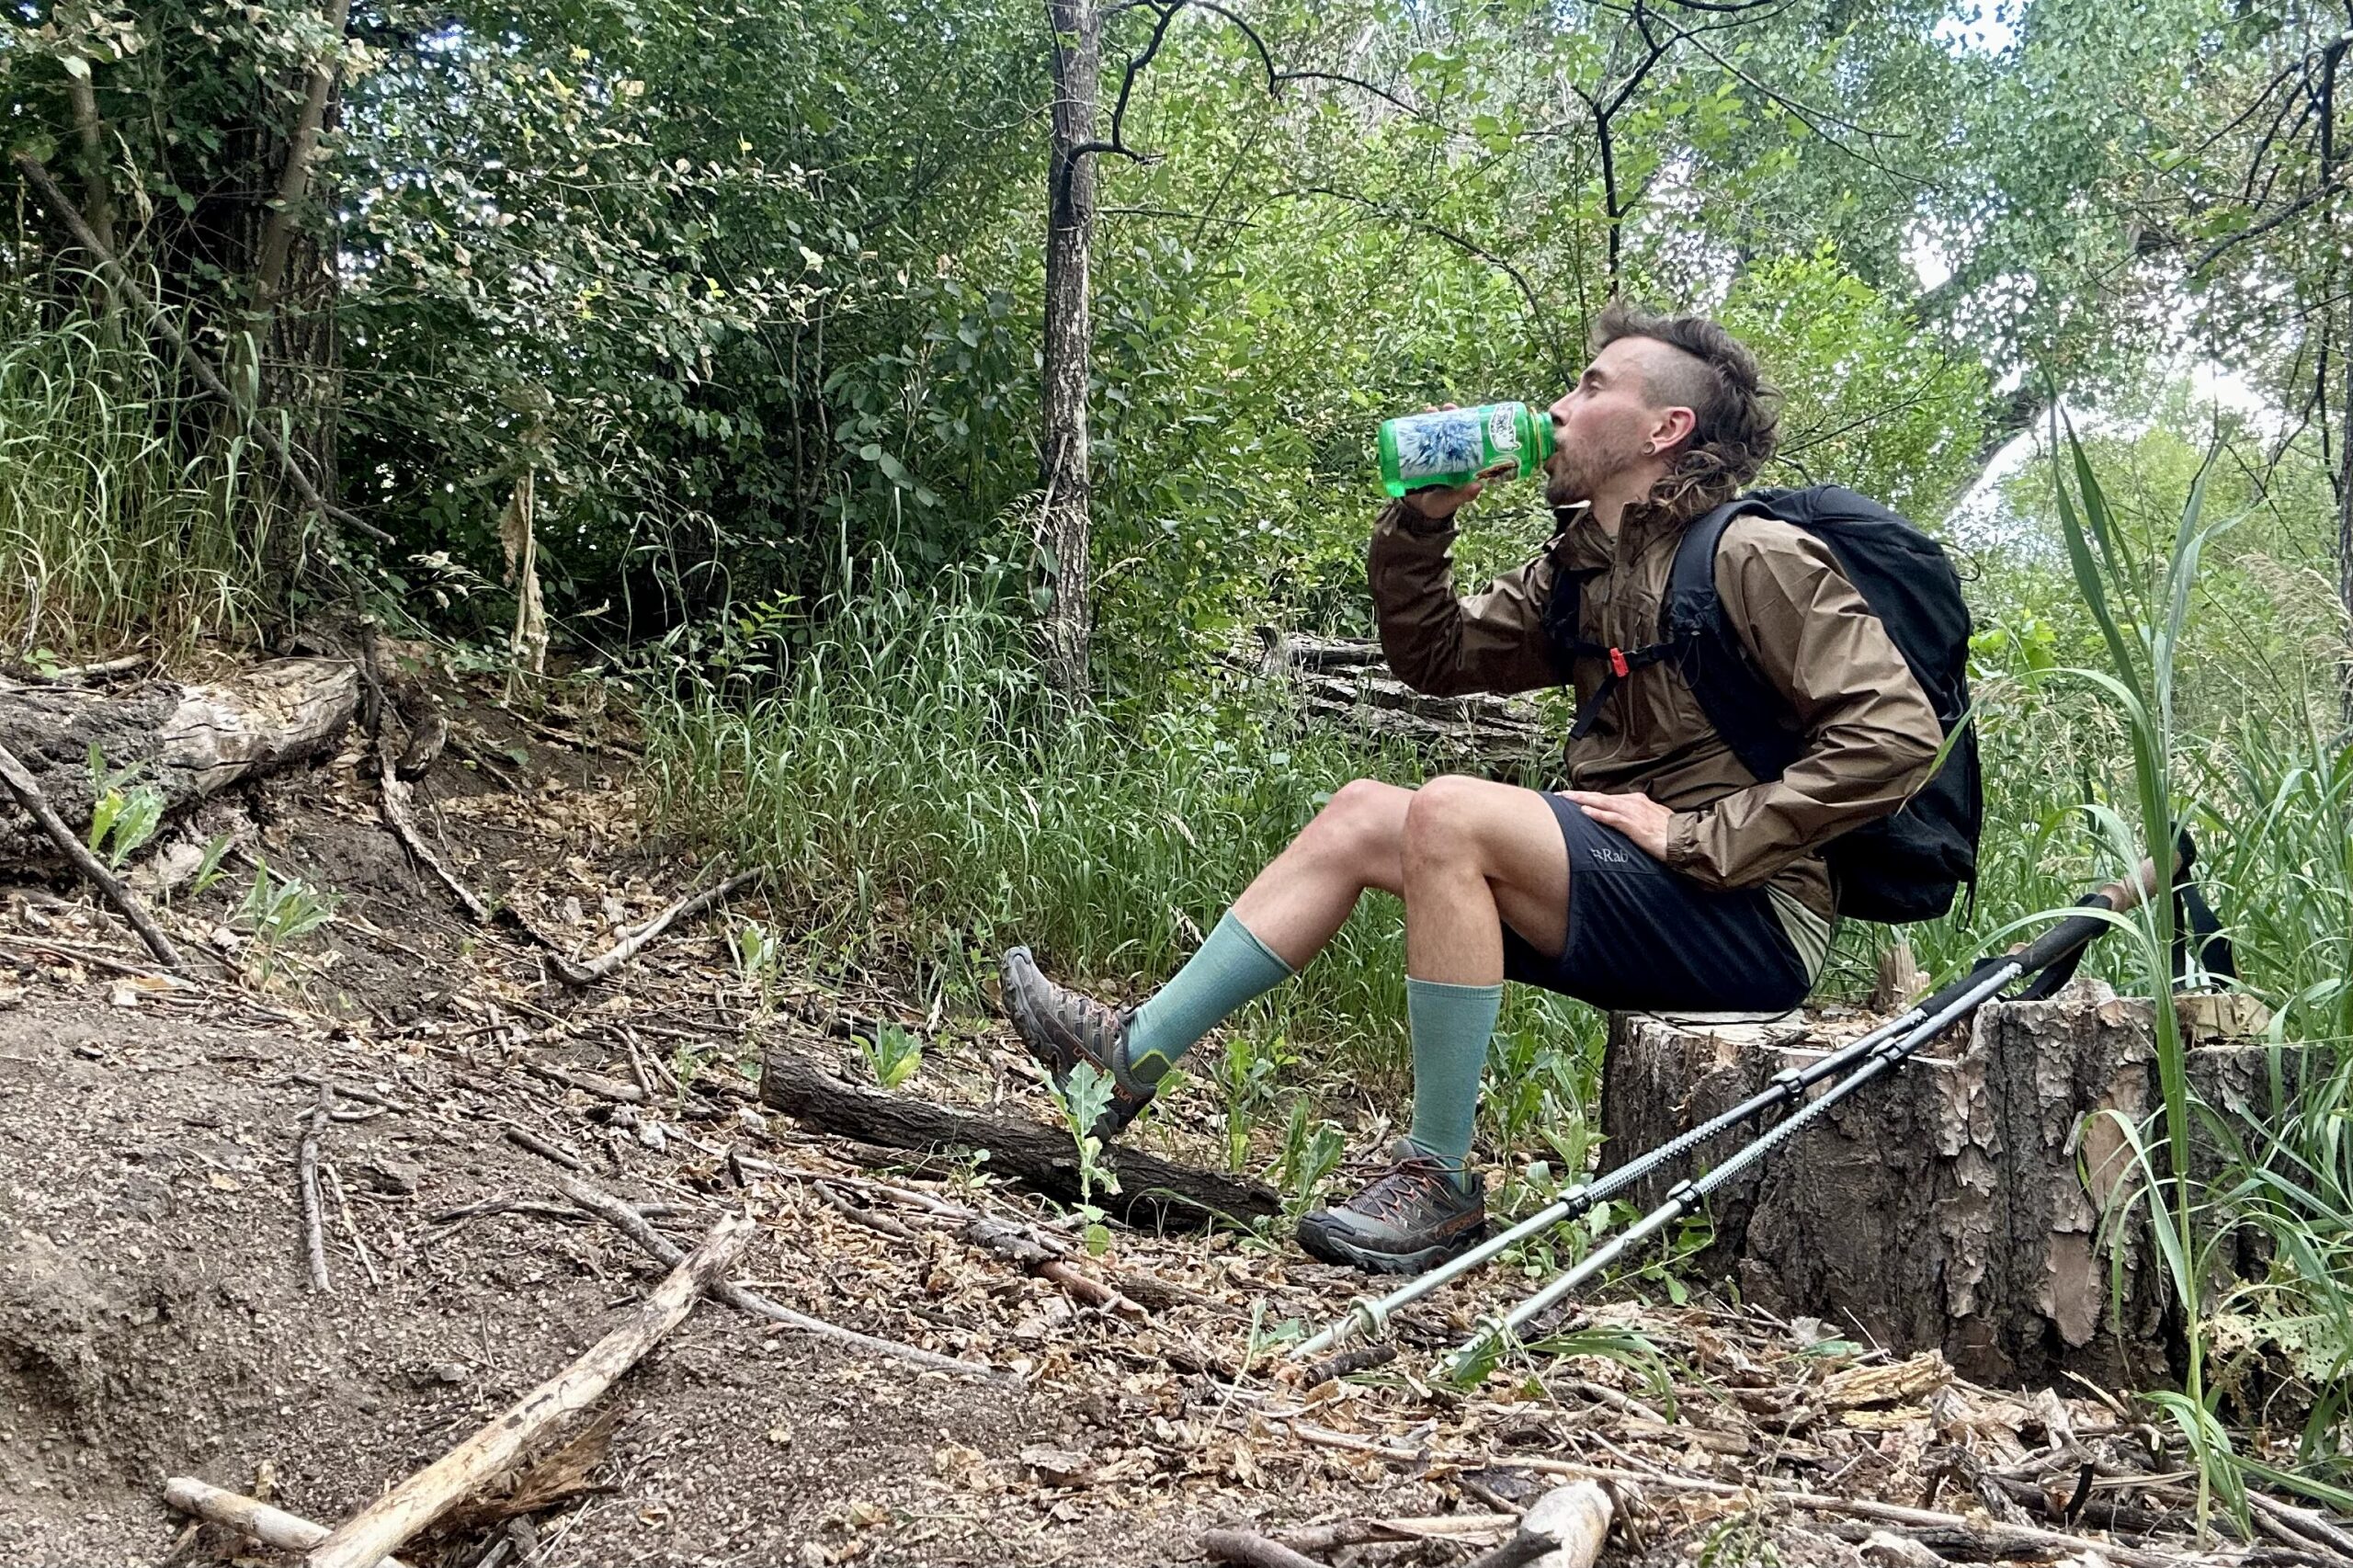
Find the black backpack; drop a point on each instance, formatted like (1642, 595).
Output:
(1902, 868)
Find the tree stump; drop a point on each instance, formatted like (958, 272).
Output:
(1956, 1204)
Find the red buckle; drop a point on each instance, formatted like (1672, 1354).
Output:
(1618, 664)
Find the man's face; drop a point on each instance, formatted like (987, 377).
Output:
(1601, 427)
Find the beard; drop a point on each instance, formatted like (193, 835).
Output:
(1576, 474)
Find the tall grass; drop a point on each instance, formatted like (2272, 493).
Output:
(2273, 795)
(126, 515)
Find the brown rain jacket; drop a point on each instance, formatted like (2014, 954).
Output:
(1871, 732)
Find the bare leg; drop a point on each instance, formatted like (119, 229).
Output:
(1479, 856)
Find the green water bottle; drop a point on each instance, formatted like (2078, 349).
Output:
(1455, 446)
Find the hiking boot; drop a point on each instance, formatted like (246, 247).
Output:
(1062, 1028)
(1413, 1215)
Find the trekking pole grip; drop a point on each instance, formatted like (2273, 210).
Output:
(2118, 897)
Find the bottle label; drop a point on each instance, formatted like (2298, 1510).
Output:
(1432, 445)
(1503, 430)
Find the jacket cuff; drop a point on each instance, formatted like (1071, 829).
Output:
(1682, 838)
(1399, 517)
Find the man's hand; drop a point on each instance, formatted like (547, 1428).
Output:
(1639, 817)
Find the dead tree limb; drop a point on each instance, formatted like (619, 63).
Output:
(37, 176)
(314, 1230)
(1150, 1190)
(393, 804)
(621, 952)
(632, 1224)
(1252, 1551)
(449, 1480)
(28, 794)
(271, 1526)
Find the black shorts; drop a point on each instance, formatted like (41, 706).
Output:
(1644, 937)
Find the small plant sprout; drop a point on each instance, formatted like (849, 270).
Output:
(892, 1054)
(208, 866)
(1083, 1102)
(125, 815)
(759, 957)
(1312, 1151)
(278, 910)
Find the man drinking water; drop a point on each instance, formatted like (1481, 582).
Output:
(1668, 875)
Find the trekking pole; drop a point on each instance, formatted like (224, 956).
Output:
(1370, 1317)
(1888, 1049)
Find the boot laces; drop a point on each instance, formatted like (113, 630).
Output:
(1399, 1189)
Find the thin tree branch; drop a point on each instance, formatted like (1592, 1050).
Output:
(2228, 243)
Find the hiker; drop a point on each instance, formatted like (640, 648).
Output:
(1665, 877)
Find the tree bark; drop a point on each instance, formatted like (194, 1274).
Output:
(1344, 683)
(1956, 1204)
(1151, 1190)
(98, 194)
(294, 179)
(1065, 518)
(185, 742)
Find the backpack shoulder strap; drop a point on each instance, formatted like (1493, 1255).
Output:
(1738, 701)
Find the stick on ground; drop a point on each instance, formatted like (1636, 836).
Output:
(314, 1229)
(1252, 1551)
(633, 1225)
(621, 952)
(271, 1526)
(27, 790)
(415, 1503)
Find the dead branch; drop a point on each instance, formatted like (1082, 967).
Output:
(545, 1150)
(271, 1526)
(1152, 1189)
(314, 1231)
(1364, 1358)
(632, 1224)
(1251, 1551)
(28, 794)
(394, 807)
(594, 1083)
(621, 952)
(448, 1481)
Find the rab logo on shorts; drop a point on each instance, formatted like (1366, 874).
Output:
(1609, 857)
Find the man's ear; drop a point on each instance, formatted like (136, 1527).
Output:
(1673, 428)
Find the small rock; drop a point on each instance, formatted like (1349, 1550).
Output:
(389, 1173)
(1060, 1466)
(450, 1372)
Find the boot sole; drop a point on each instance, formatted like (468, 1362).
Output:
(1316, 1242)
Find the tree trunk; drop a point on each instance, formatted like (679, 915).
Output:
(1957, 1204)
(1069, 344)
(185, 741)
(294, 178)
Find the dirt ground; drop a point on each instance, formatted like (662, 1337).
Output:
(156, 1317)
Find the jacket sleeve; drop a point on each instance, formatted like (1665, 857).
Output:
(1445, 646)
(1870, 732)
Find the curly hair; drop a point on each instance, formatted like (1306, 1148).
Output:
(1736, 412)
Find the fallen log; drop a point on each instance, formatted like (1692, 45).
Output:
(185, 742)
(1563, 1529)
(1152, 1190)
(415, 1503)
(271, 1526)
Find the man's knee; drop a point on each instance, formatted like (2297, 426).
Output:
(1364, 816)
(1442, 823)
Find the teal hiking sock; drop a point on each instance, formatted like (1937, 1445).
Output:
(1450, 1025)
(1232, 967)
